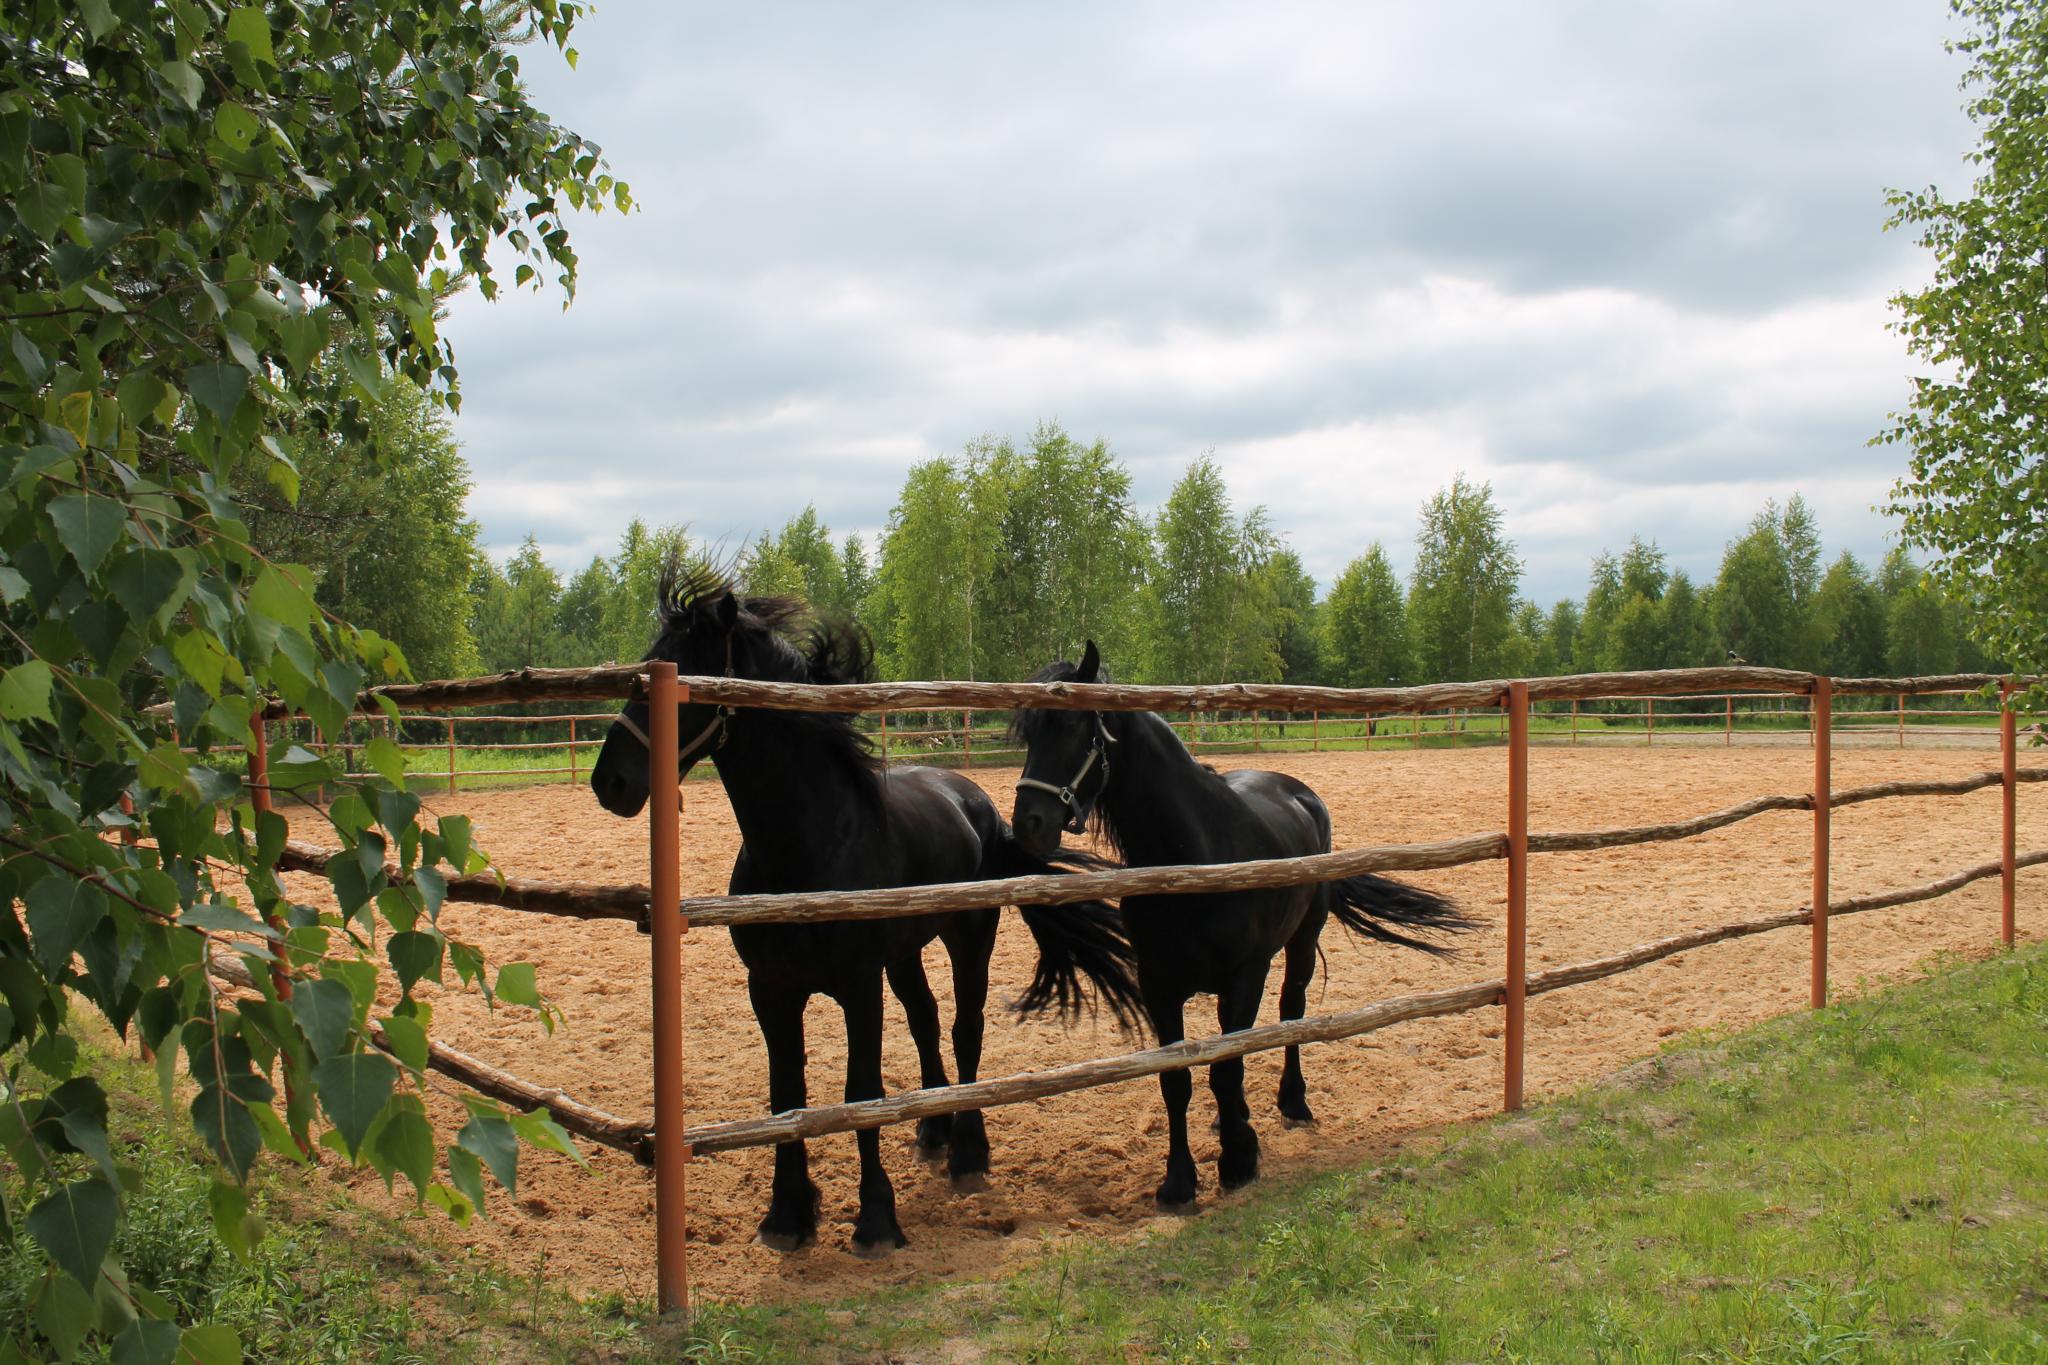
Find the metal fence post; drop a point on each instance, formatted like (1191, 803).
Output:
(1823, 701)
(1518, 890)
(451, 755)
(1575, 722)
(2008, 743)
(1728, 726)
(572, 751)
(967, 736)
(1650, 732)
(665, 893)
(1318, 732)
(1902, 720)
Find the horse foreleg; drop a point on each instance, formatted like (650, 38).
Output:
(921, 1010)
(875, 1231)
(970, 943)
(1177, 1192)
(1237, 1008)
(792, 1218)
(1300, 970)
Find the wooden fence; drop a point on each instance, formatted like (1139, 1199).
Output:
(648, 1139)
(965, 737)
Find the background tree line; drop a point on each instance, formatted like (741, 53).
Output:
(1007, 555)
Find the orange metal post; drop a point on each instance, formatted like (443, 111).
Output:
(1318, 733)
(1902, 720)
(665, 893)
(572, 751)
(2008, 743)
(1823, 702)
(1518, 887)
(1575, 724)
(1728, 726)
(1650, 731)
(451, 755)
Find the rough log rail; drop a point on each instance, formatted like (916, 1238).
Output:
(1059, 1080)
(619, 681)
(599, 900)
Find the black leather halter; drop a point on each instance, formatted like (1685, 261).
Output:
(1098, 752)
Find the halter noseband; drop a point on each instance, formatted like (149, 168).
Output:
(712, 735)
(1098, 751)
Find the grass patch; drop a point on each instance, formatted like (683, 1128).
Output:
(1870, 1182)
(1866, 1183)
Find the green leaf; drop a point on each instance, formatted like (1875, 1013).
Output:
(325, 1010)
(516, 985)
(146, 1341)
(224, 1124)
(139, 394)
(353, 1091)
(183, 82)
(25, 692)
(250, 27)
(99, 17)
(454, 832)
(415, 955)
(218, 388)
(278, 595)
(236, 127)
(406, 1144)
(75, 1227)
(87, 527)
(151, 584)
(467, 1173)
(407, 1039)
(492, 1139)
(43, 207)
(387, 759)
(237, 1227)
(540, 1130)
(303, 336)
(61, 912)
(210, 1343)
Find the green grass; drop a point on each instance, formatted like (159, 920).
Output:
(1870, 1183)
(1867, 1183)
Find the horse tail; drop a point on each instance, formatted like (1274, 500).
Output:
(1370, 905)
(1081, 945)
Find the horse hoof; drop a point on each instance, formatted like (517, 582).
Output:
(1178, 1208)
(933, 1153)
(1294, 1121)
(784, 1242)
(970, 1182)
(1238, 1182)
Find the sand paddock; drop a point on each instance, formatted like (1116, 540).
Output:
(1089, 1161)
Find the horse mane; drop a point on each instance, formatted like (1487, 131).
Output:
(797, 645)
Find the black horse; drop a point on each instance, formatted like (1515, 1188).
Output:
(1156, 805)
(818, 812)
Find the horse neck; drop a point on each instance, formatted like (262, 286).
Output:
(794, 798)
(1157, 792)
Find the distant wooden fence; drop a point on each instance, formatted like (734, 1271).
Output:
(1511, 698)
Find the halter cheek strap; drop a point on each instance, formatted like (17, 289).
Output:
(711, 736)
(1098, 749)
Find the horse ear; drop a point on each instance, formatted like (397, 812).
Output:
(1091, 665)
(727, 610)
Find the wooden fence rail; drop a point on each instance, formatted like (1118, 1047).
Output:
(599, 900)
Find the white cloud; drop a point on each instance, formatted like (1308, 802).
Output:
(1626, 264)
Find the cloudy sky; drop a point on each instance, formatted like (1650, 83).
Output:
(1624, 261)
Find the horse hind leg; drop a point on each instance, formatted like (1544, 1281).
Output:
(1299, 971)
(1176, 1193)
(876, 1233)
(970, 943)
(907, 982)
(791, 1222)
(1237, 1008)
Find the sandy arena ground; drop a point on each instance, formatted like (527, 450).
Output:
(1088, 1162)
